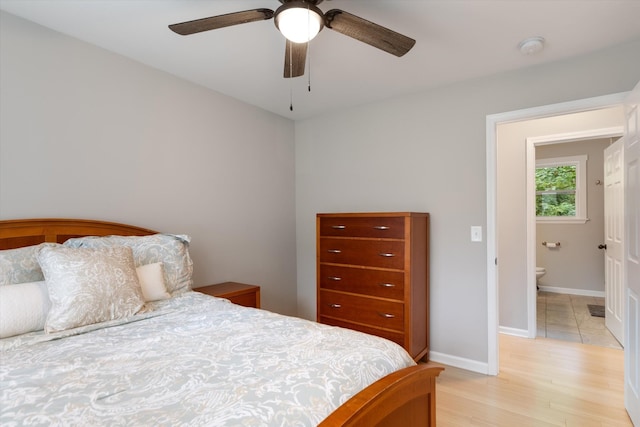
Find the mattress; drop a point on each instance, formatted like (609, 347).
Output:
(191, 360)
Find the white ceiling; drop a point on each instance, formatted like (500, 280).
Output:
(456, 40)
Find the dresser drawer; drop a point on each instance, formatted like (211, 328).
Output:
(380, 283)
(368, 311)
(396, 337)
(376, 227)
(372, 253)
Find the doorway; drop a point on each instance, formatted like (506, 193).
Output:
(569, 249)
(522, 299)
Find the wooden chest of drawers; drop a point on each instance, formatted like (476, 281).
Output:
(373, 275)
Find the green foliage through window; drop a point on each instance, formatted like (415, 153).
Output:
(556, 191)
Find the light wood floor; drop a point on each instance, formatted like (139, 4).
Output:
(542, 382)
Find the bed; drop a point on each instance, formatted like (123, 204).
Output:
(182, 357)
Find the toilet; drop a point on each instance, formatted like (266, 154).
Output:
(540, 271)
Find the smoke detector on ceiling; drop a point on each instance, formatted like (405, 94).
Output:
(531, 45)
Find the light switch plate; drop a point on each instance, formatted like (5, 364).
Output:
(476, 233)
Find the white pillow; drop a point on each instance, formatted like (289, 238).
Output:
(88, 286)
(23, 308)
(151, 278)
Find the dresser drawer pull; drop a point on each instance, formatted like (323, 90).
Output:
(334, 278)
(335, 305)
(338, 227)
(334, 251)
(387, 254)
(381, 227)
(387, 315)
(387, 285)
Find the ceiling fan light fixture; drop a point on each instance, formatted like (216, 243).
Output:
(299, 21)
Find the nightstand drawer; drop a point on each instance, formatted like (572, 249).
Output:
(237, 293)
(364, 310)
(371, 253)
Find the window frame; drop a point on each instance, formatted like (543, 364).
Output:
(580, 163)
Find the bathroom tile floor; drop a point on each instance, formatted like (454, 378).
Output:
(566, 317)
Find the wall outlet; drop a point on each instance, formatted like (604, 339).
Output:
(476, 233)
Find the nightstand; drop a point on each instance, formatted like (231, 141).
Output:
(237, 293)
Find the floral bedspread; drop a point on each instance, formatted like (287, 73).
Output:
(193, 360)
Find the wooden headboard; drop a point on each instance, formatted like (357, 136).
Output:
(17, 233)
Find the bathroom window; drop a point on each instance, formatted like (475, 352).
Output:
(561, 193)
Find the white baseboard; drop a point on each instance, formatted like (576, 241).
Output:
(571, 291)
(523, 333)
(459, 362)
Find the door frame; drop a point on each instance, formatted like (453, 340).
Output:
(492, 121)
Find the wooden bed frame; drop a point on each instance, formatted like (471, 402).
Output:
(404, 398)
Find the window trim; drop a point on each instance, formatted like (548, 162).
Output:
(580, 162)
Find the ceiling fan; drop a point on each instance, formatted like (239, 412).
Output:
(300, 21)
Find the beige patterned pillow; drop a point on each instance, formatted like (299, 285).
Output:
(89, 286)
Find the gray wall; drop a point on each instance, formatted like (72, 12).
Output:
(511, 201)
(427, 152)
(86, 133)
(577, 265)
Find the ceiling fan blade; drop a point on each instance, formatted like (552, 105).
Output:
(295, 57)
(221, 21)
(368, 32)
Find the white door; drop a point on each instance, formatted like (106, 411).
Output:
(632, 256)
(614, 238)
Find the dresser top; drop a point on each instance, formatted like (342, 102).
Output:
(373, 214)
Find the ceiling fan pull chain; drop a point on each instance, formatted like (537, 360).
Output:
(309, 47)
(290, 75)
(291, 99)
(309, 83)
(309, 65)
